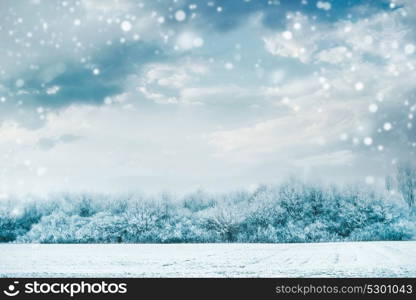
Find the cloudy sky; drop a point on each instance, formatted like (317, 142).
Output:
(107, 95)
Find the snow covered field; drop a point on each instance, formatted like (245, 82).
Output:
(365, 259)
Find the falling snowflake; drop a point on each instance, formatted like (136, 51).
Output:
(409, 49)
(359, 86)
(188, 41)
(297, 26)
(198, 42)
(323, 5)
(229, 66)
(19, 83)
(373, 108)
(368, 141)
(180, 16)
(53, 90)
(126, 26)
(41, 171)
(287, 35)
(343, 137)
(387, 126)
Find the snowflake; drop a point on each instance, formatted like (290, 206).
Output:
(359, 86)
(180, 16)
(229, 66)
(387, 126)
(368, 141)
(409, 49)
(126, 26)
(373, 108)
(323, 5)
(287, 35)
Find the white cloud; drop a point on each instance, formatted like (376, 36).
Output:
(357, 63)
(188, 40)
(334, 55)
(98, 6)
(337, 158)
(117, 150)
(222, 94)
(164, 83)
(383, 36)
(250, 121)
(292, 48)
(173, 75)
(158, 98)
(286, 136)
(300, 43)
(181, 83)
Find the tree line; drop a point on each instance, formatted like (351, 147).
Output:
(292, 211)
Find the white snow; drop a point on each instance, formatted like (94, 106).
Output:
(373, 108)
(188, 40)
(387, 126)
(352, 259)
(229, 65)
(297, 26)
(343, 137)
(287, 35)
(323, 5)
(198, 42)
(359, 86)
(19, 83)
(53, 90)
(41, 171)
(368, 141)
(180, 16)
(126, 26)
(409, 49)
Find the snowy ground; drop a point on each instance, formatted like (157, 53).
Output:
(378, 259)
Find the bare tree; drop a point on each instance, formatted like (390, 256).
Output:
(406, 182)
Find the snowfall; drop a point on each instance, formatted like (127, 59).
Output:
(351, 259)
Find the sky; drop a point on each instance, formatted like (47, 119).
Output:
(177, 95)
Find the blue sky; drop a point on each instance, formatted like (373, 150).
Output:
(178, 95)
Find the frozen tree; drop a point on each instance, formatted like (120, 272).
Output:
(389, 183)
(406, 182)
(293, 211)
(142, 219)
(225, 221)
(198, 200)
